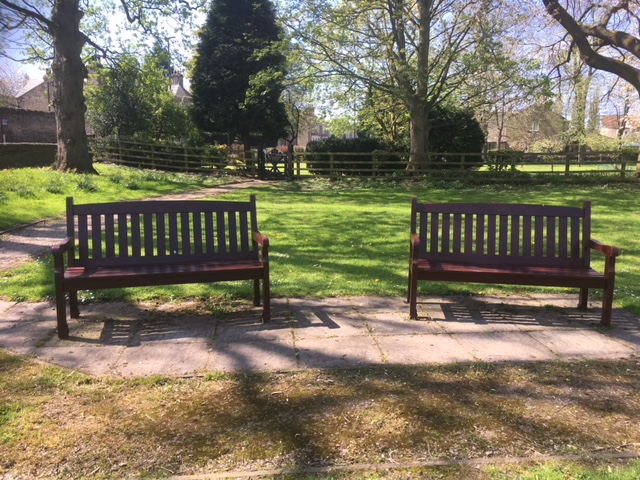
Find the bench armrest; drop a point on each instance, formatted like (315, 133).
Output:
(58, 252)
(611, 253)
(608, 250)
(263, 241)
(415, 247)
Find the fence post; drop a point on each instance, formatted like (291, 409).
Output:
(331, 166)
(289, 164)
(374, 164)
(261, 163)
(567, 163)
(623, 169)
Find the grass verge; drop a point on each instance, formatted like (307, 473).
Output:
(29, 194)
(60, 424)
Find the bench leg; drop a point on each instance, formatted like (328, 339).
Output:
(266, 307)
(607, 307)
(584, 299)
(61, 314)
(256, 292)
(73, 305)
(413, 296)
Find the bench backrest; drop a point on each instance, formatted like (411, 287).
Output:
(148, 232)
(490, 233)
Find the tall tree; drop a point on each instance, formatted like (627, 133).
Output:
(58, 22)
(239, 70)
(423, 53)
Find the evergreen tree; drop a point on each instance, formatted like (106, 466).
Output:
(239, 71)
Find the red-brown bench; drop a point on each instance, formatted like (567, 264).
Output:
(147, 243)
(508, 244)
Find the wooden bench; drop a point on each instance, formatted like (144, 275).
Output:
(146, 243)
(508, 244)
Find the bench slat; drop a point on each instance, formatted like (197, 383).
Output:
(575, 245)
(221, 233)
(527, 240)
(83, 238)
(96, 236)
(197, 233)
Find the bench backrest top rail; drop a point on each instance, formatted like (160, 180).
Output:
(148, 232)
(517, 234)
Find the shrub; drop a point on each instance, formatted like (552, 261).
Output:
(352, 157)
(455, 130)
(501, 160)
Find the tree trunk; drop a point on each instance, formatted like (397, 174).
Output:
(69, 73)
(419, 131)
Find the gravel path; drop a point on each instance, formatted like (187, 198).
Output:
(20, 245)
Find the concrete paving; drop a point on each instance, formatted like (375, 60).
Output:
(142, 340)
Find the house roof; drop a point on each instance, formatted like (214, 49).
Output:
(30, 85)
(177, 87)
(614, 121)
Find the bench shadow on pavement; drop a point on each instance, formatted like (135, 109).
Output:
(130, 325)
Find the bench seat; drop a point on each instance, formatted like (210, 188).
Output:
(511, 274)
(168, 274)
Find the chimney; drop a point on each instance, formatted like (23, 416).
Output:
(176, 78)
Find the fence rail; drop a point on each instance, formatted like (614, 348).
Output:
(491, 166)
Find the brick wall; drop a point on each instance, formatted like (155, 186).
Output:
(27, 126)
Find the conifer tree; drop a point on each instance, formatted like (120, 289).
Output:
(239, 70)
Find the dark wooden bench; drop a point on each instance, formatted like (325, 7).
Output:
(146, 243)
(508, 244)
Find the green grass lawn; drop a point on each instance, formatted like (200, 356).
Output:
(30, 194)
(351, 238)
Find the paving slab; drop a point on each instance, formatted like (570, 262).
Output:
(390, 323)
(318, 323)
(163, 358)
(339, 351)
(185, 339)
(505, 347)
(97, 360)
(273, 354)
(421, 349)
(579, 344)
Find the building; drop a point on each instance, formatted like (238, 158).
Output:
(177, 88)
(520, 130)
(36, 95)
(617, 126)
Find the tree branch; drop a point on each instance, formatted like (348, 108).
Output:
(24, 12)
(581, 34)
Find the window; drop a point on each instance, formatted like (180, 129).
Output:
(535, 126)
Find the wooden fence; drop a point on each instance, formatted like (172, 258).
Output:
(498, 166)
